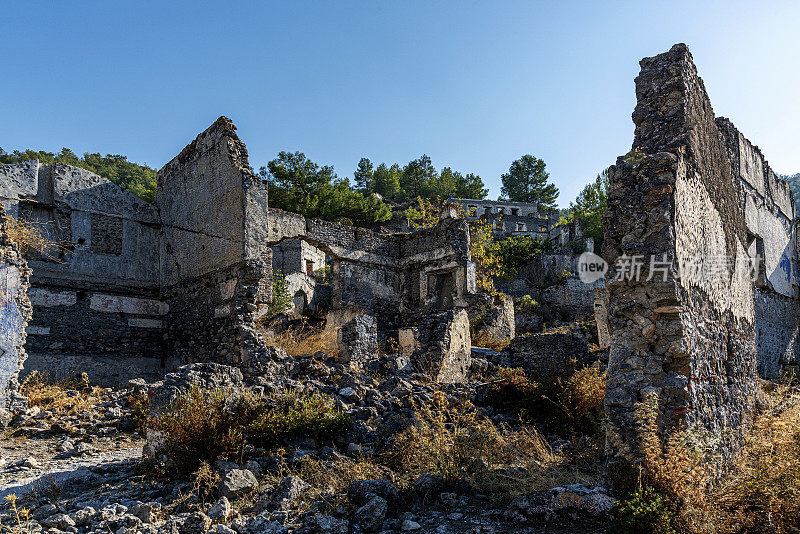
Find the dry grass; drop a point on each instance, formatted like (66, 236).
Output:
(457, 443)
(307, 339)
(329, 479)
(760, 491)
(488, 340)
(66, 397)
(32, 237)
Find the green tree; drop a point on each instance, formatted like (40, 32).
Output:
(470, 186)
(590, 205)
(297, 173)
(386, 180)
(516, 251)
(416, 177)
(527, 181)
(299, 185)
(364, 176)
(450, 183)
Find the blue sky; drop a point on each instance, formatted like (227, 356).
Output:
(474, 85)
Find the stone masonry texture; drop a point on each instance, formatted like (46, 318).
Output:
(685, 193)
(15, 311)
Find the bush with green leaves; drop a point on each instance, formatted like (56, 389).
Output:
(293, 415)
(646, 512)
(281, 299)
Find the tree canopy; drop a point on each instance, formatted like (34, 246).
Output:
(418, 178)
(138, 179)
(527, 181)
(298, 184)
(589, 206)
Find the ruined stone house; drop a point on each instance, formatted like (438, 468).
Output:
(697, 195)
(138, 288)
(511, 218)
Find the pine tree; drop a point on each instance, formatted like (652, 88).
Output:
(527, 181)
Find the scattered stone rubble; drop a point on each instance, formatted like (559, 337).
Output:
(84, 475)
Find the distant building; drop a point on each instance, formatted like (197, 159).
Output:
(511, 218)
(571, 235)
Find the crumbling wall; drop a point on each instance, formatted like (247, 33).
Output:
(364, 264)
(95, 292)
(690, 339)
(771, 229)
(416, 285)
(215, 263)
(15, 311)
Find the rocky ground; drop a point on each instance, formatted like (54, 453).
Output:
(79, 468)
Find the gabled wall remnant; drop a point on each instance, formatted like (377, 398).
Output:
(695, 195)
(15, 311)
(216, 266)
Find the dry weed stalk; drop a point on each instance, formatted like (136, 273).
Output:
(32, 237)
(22, 516)
(307, 340)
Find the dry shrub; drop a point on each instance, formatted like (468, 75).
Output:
(329, 479)
(674, 475)
(511, 390)
(207, 425)
(489, 340)
(200, 426)
(66, 397)
(32, 237)
(139, 405)
(457, 443)
(583, 394)
(291, 414)
(205, 481)
(762, 490)
(307, 339)
(574, 406)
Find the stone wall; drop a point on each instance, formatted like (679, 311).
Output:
(772, 237)
(552, 280)
(215, 262)
(95, 293)
(15, 311)
(690, 339)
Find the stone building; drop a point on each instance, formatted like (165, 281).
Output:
(512, 218)
(136, 288)
(688, 321)
(301, 264)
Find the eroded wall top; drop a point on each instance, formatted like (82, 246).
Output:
(205, 196)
